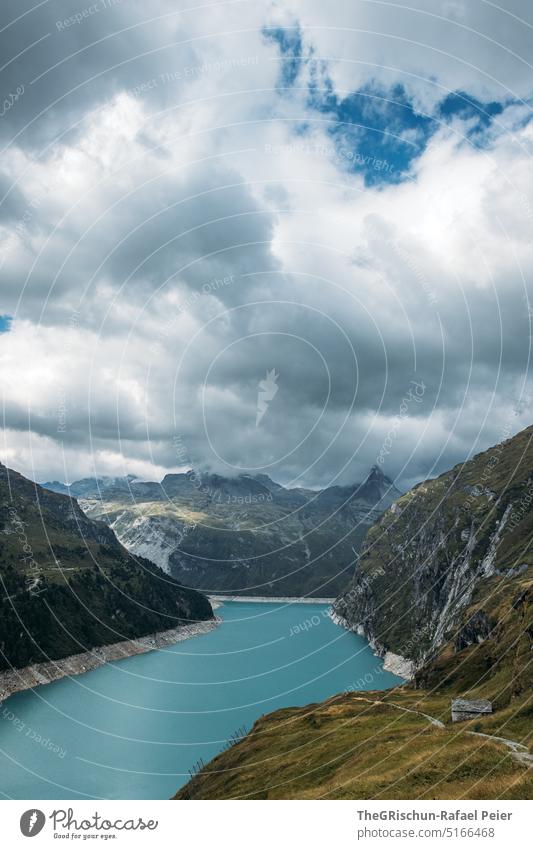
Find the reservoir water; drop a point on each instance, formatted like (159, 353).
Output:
(132, 729)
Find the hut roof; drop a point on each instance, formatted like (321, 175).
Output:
(472, 705)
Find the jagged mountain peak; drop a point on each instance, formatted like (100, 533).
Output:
(377, 473)
(377, 485)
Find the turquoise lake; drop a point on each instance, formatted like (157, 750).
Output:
(133, 729)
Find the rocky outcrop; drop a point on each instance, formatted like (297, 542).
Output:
(156, 537)
(475, 630)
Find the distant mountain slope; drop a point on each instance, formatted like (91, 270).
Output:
(68, 585)
(245, 535)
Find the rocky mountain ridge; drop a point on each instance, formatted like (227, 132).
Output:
(432, 565)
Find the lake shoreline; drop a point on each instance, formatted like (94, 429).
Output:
(36, 675)
(401, 666)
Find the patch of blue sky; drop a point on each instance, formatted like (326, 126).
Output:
(459, 104)
(379, 133)
(289, 43)
(5, 323)
(376, 132)
(477, 117)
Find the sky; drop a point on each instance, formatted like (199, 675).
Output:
(291, 238)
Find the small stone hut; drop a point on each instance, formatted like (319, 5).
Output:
(470, 709)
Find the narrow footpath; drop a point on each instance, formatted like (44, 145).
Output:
(519, 752)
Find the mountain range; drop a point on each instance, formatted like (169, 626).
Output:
(245, 535)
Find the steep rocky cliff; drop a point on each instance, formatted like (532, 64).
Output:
(437, 566)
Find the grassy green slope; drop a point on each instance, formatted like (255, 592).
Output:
(349, 748)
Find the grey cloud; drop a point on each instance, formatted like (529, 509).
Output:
(430, 47)
(81, 56)
(208, 225)
(141, 282)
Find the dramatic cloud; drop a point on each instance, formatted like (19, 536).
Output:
(199, 204)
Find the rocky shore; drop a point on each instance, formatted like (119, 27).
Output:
(395, 663)
(15, 680)
(399, 665)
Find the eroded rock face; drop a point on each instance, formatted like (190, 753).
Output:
(428, 561)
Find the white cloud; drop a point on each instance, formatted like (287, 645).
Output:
(432, 47)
